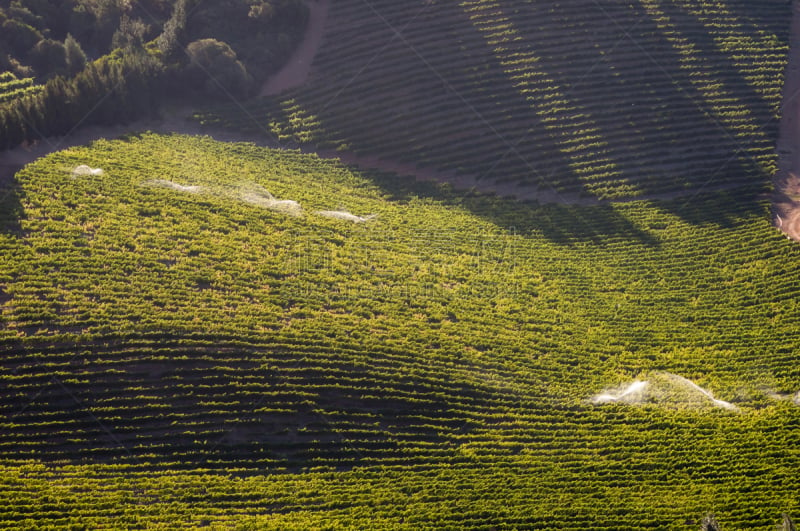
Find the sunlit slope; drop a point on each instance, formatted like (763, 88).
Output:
(175, 351)
(605, 98)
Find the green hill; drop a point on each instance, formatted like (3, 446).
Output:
(178, 348)
(595, 98)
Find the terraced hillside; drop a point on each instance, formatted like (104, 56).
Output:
(595, 98)
(180, 346)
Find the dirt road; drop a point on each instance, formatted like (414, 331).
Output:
(296, 72)
(786, 195)
(298, 67)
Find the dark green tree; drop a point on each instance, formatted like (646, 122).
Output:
(75, 57)
(213, 65)
(170, 42)
(130, 35)
(23, 14)
(48, 58)
(103, 17)
(19, 37)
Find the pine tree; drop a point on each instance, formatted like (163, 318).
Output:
(76, 58)
(169, 42)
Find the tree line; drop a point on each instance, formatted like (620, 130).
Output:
(146, 52)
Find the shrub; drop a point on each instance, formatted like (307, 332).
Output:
(19, 37)
(213, 65)
(49, 58)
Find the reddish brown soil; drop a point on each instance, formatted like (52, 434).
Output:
(786, 196)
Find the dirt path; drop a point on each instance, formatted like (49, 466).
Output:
(296, 70)
(178, 121)
(508, 190)
(786, 196)
(458, 181)
(294, 74)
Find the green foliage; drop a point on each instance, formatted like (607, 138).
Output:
(130, 35)
(48, 16)
(23, 14)
(100, 18)
(12, 88)
(19, 37)
(214, 67)
(117, 88)
(263, 34)
(171, 39)
(178, 357)
(172, 358)
(75, 56)
(108, 91)
(49, 56)
(546, 95)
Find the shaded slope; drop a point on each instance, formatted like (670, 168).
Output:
(584, 98)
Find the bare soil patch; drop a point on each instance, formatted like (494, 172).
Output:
(297, 69)
(786, 183)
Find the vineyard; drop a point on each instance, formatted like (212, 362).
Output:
(175, 354)
(12, 88)
(598, 99)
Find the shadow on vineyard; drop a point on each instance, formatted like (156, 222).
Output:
(179, 352)
(588, 100)
(11, 210)
(636, 122)
(563, 224)
(731, 78)
(222, 407)
(717, 209)
(197, 333)
(753, 18)
(568, 224)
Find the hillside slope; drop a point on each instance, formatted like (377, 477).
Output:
(585, 98)
(179, 348)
